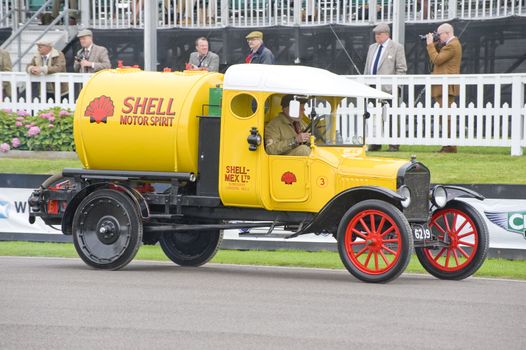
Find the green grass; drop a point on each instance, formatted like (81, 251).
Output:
(36, 166)
(470, 165)
(499, 268)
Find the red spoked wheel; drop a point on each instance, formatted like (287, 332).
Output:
(464, 237)
(374, 241)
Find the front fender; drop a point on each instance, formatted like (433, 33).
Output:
(454, 192)
(329, 216)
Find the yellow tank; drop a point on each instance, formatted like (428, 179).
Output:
(128, 119)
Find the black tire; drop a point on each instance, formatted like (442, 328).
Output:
(466, 250)
(191, 248)
(379, 229)
(107, 229)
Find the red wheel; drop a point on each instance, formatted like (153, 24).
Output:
(464, 238)
(374, 241)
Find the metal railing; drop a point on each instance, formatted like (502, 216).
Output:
(108, 14)
(490, 110)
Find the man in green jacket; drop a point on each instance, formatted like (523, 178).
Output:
(284, 134)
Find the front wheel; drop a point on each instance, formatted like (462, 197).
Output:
(375, 241)
(464, 237)
(191, 248)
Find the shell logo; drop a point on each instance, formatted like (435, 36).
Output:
(99, 109)
(288, 178)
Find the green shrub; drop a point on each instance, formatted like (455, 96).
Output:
(49, 130)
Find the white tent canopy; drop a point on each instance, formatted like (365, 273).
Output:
(298, 80)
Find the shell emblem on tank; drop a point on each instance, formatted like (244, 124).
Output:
(288, 178)
(99, 109)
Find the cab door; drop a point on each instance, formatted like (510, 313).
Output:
(289, 178)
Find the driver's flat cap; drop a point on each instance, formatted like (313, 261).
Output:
(285, 100)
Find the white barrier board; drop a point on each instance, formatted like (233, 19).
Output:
(506, 220)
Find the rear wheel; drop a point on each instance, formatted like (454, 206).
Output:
(191, 248)
(375, 241)
(464, 234)
(107, 229)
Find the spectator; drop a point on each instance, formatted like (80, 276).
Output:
(47, 61)
(445, 54)
(203, 59)
(90, 58)
(73, 7)
(259, 53)
(385, 57)
(284, 134)
(5, 66)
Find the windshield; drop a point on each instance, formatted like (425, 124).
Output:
(342, 125)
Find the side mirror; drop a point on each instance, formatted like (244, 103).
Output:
(294, 109)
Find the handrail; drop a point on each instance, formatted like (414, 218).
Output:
(26, 24)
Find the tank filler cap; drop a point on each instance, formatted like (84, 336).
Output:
(413, 158)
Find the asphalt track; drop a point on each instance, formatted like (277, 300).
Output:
(50, 303)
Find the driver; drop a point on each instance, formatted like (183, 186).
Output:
(284, 134)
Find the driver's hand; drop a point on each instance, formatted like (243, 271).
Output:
(303, 137)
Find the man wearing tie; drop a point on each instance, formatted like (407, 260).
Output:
(385, 57)
(90, 58)
(48, 60)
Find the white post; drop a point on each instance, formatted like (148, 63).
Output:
(452, 9)
(150, 35)
(224, 12)
(372, 11)
(84, 13)
(297, 12)
(399, 21)
(517, 124)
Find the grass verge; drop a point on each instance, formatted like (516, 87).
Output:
(498, 268)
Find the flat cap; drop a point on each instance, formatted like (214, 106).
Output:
(285, 100)
(254, 35)
(84, 32)
(382, 28)
(44, 42)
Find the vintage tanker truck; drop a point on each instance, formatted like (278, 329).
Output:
(175, 158)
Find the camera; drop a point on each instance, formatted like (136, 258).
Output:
(435, 37)
(78, 58)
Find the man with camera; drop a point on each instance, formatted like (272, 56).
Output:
(445, 53)
(90, 58)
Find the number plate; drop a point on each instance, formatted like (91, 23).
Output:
(421, 232)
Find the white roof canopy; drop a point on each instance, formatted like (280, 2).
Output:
(298, 80)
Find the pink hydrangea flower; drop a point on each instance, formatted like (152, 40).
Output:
(7, 110)
(64, 113)
(23, 113)
(15, 142)
(18, 124)
(20, 119)
(4, 147)
(28, 125)
(51, 118)
(33, 131)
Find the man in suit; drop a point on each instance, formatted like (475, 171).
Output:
(385, 57)
(48, 60)
(5, 66)
(90, 58)
(202, 58)
(445, 55)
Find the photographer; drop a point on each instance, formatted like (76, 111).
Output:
(445, 54)
(91, 58)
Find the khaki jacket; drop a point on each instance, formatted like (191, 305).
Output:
(280, 136)
(98, 55)
(56, 64)
(446, 61)
(392, 62)
(5, 66)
